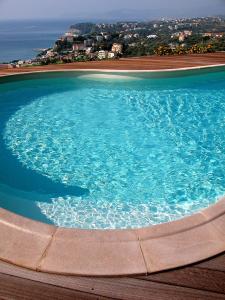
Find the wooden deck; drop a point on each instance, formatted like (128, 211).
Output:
(204, 281)
(140, 63)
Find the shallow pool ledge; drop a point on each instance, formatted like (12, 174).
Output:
(46, 248)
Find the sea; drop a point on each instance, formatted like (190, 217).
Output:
(21, 39)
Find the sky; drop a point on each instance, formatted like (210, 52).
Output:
(106, 9)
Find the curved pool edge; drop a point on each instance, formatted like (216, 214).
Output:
(46, 248)
(99, 70)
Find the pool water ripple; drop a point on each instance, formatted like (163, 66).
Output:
(141, 154)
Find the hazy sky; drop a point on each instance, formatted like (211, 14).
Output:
(94, 9)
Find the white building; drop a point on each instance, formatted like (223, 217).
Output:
(111, 55)
(20, 62)
(102, 54)
(152, 36)
(50, 53)
(88, 50)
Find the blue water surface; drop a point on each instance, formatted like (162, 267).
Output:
(21, 39)
(87, 152)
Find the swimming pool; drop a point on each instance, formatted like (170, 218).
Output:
(105, 151)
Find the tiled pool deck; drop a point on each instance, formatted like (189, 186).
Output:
(46, 248)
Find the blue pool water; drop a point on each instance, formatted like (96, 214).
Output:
(90, 152)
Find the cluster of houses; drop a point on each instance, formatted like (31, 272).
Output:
(217, 35)
(78, 50)
(72, 45)
(181, 36)
(93, 50)
(86, 41)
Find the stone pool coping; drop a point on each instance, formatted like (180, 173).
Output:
(50, 249)
(46, 248)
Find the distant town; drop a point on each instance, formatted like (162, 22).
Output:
(88, 41)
